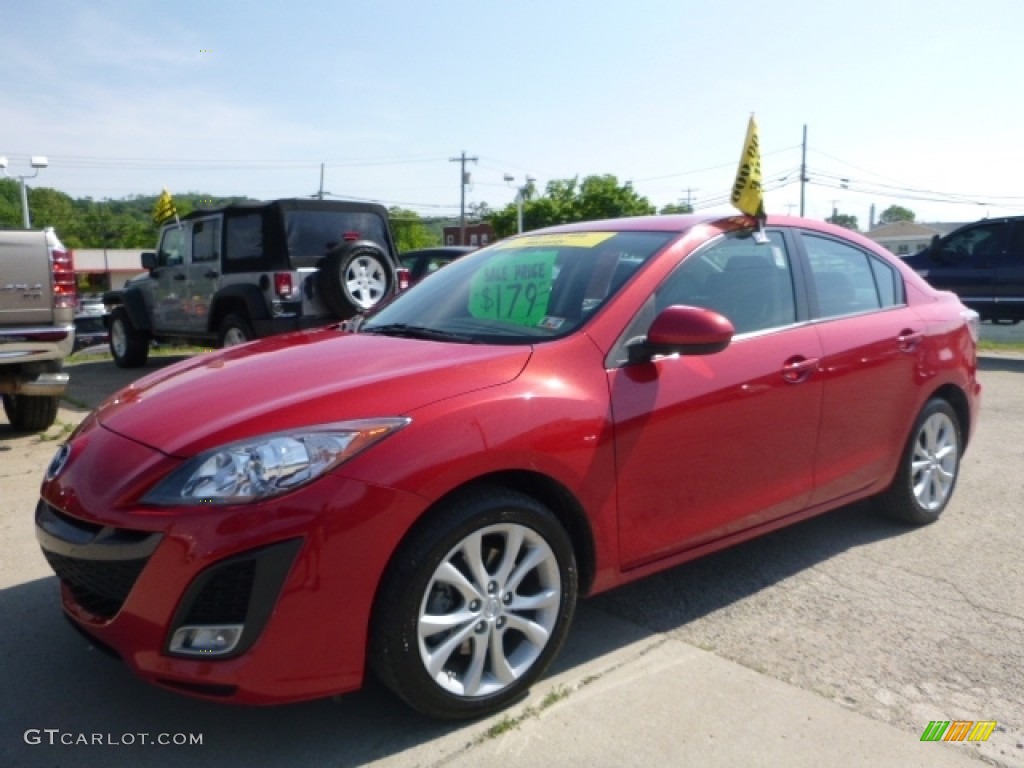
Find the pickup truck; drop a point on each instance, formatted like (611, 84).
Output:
(37, 331)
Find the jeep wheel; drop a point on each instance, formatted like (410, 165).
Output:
(354, 278)
(128, 345)
(235, 330)
(31, 413)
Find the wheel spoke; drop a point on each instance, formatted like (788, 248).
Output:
(546, 599)
(433, 623)
(472, 551)
(436, 659)
(449, 574)
(475, 671)
(513, 545)
(534, 557)
(536, 634)
(500, 666)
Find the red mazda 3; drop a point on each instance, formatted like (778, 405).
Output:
(549, 417)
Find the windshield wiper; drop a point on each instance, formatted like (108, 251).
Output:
(407, 331)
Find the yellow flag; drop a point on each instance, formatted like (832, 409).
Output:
(164, 208)
(747, 193)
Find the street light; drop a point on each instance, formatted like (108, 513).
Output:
(37, 162)
(520, 197)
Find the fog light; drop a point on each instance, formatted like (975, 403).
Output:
(206, 640)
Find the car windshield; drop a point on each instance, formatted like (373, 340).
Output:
(522, 290)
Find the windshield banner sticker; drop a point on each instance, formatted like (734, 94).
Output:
(514, 288)
(567, 240)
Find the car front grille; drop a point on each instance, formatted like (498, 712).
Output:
(98, 564)
(99, 586)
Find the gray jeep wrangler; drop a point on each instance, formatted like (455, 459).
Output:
(227, 275)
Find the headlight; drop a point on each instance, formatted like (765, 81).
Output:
(268, 465)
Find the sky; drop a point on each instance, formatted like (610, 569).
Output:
(904, 102)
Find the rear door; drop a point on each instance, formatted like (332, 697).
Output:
(871, 341)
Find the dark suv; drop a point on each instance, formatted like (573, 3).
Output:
(227, 275)
(983, 263)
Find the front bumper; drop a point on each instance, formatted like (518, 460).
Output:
(297, 574)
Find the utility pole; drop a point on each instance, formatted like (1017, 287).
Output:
(803, 170)
(320, 194)
(464, 179)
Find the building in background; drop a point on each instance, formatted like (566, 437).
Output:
(478, 235)
(906, 237)
(105, 269)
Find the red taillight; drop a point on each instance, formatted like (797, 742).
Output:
(65, 292)
(403, 278)
(349, 237)
(283, 284)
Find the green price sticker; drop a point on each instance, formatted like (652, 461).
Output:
(514, 288)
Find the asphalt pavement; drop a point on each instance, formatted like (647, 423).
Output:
(835, 642)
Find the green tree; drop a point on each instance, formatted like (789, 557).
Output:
(844, 220)
(569, 200)
(895, 213)
(409, 231)
(676, 208)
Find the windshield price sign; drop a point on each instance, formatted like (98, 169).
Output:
(514, 288)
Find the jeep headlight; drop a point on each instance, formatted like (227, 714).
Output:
(269, 465)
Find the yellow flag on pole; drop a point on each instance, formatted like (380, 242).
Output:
(164, 208)
(747, 193)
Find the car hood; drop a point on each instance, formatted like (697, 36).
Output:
(299, 380)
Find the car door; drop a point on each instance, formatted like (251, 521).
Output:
(203, 271)
(708, 445)
(170, 281)
(1009, 279)
(870, 342)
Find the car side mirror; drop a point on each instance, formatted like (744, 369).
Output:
(149, 260)
(683, 330)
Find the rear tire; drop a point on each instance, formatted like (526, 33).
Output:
(31, 413)
(929, 468)
(235, 330)
(475, 606)
(128, 345)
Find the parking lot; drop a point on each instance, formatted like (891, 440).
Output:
(840, 638)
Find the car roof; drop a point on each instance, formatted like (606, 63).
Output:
(290, 204)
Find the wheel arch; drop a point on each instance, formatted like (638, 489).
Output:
(246, 300)
(542, 488)
(134, 304)
(957, 400)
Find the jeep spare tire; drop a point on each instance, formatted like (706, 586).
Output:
(354, 277)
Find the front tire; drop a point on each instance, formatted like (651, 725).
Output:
(31, 413)
(929, 468)
(128, 345)
(476, 606)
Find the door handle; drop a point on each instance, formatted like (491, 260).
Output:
(908, 340)
(179, 276)
(798, 369)
(211, 273)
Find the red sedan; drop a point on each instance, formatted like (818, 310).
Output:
(549, 417)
